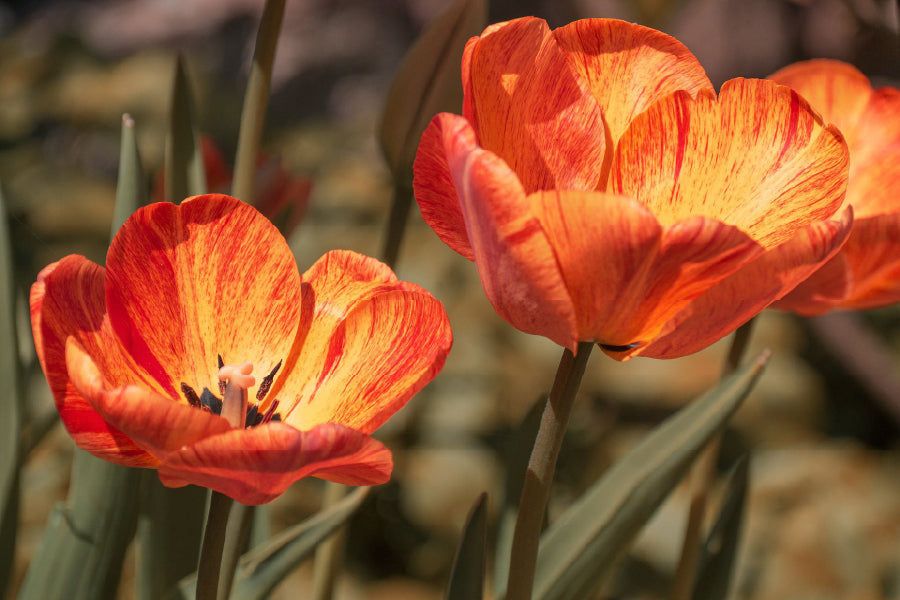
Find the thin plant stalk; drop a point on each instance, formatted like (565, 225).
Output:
(539, 477)
(330, 553)
(240, 522)
(255, 101)
(213, 545)
(701, 478)
(401, 202)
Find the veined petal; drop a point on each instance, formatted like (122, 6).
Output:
(157, 424)
(628, 275)
(384, 352)
(370, 343)
(759, 159)
(433, 184)
(627, 67)
(188, 283)
(873, 256)
(743, 295)
(256, 465)
(531, 109)
(516, 262)
(67, 302)
(822, 291)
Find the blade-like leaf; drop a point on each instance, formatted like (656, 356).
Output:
(428, 82)
(467, 575)
(577, 551)
(10, 407)
(131, 191)
(717, 561)
(516, 460)
(266, 566)
(185, 175)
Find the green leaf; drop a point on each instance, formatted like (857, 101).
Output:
(719, 551)
(185, 174)
(578, 550)
(428, 82)
(467, 575)
(131, 190)
(264, 567)
(516, 460)
(10, 407)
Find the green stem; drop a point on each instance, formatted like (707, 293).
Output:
(401, 202)
(702, 476)
(240, 522)
(329, 554)
(255, 101)
(213, 545)
(539, 477)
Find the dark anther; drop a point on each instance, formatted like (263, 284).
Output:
(221, 383)
(267, 383)
(270, 414)
(211, 402)
(189, 393)
(626, 347)
(253, 416)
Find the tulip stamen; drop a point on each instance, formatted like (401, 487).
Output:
(237, 380)
(234, 381)
(266, 384)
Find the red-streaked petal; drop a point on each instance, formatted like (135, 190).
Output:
(627, 275)
(384, 352)
(532, 111)
(874, 187)
(516, 262)
(834, 88)
(67, 301)
(209, 277)
(822, 291)
(433, 184)
(256, 465)
(873, 254)
(743, 295)
(157, 424)
(627, 67)
(759, 159)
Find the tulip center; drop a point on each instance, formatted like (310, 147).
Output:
(234, 381)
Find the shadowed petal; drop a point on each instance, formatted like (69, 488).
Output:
(256, 465)
(67, 301)
(531, 109)
(155, 423)
(516, 262)
(209, 277)
(384, 352)
(433, 183)
(738, 298)
(873, 255)
(760, 159)
(628, 276)
(627, 67)
(822, 291)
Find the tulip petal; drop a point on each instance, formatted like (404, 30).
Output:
(67, 301)
(743, 295)
(370, 344)
(256, 465)
(628, 276)
(760, 159)
(157, 424)
(627, 67)
(873, 255)
(531, 109)
(433, 183)
(211, 277)
(822, 291)
(516, 262)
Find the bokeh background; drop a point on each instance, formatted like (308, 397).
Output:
(822, 427)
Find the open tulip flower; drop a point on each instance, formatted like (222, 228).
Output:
(202, 352)
(866, 272)
(607, 194)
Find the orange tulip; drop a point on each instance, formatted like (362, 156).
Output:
(140, 356)
(281, 198)
(607, 194)
(866, 272)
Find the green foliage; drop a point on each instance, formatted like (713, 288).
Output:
(467, 575)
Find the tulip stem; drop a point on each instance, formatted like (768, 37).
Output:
(702, 476)
(396, 225)
(329, 554)
(213, 545)
(240, 521)
(539, 476)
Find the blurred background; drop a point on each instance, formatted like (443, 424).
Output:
(824, 507)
